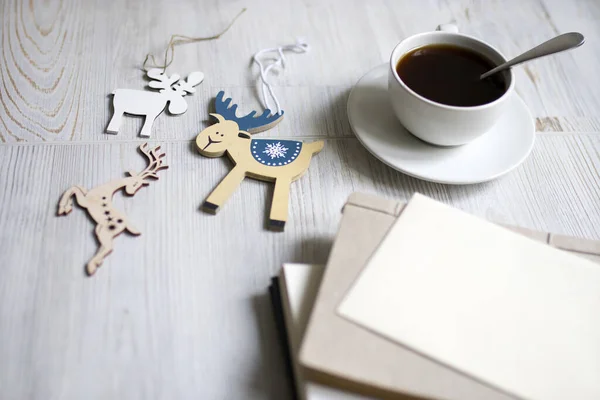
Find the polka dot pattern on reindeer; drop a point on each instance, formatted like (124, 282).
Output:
(275, 153)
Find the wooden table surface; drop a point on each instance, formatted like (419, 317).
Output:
(181, 312)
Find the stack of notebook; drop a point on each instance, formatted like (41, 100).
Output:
(421, 301)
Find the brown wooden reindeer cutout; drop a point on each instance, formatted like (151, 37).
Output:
(279, 161)
(98, 203)
(139, 102)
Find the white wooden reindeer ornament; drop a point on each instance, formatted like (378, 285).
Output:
(272, 160)
(151, 104)
(110, 222)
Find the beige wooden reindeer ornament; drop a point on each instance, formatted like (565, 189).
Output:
(273, 160)
(98, 203)
(151, 104)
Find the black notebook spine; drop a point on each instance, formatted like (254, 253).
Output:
(275, 295)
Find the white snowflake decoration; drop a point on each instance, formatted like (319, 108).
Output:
(275, 150)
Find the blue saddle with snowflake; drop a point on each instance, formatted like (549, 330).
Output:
(275, 153)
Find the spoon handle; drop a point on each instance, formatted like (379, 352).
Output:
(560, 43)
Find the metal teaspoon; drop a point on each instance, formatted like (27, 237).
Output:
(563, 42)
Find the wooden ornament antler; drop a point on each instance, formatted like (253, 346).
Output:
(272, 160)
(98, 203)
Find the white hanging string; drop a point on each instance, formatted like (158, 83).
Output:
(299, 47)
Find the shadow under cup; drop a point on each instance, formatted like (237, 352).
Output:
(438, 123)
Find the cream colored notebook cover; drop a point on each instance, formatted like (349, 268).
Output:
(499, 307)
(338, 352)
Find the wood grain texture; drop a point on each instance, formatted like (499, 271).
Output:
(60, 60)
(182, 311)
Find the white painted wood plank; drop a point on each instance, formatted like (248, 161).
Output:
(58, 91)
(181, 311)
(61, 60)
(197, 325)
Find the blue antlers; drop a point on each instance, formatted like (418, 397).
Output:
(248, 123)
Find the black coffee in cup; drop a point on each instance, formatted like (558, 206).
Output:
(449, 74)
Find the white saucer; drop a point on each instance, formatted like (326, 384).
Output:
(493, 154)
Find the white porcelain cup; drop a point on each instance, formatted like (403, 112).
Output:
(438, 123)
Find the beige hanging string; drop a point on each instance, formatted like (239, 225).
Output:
(177, 40)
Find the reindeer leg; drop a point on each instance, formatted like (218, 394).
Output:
(279, 206)
(65, 205)
(106, 246)
(132, 229)
(115, 122)
(224, 190)
(147, 127)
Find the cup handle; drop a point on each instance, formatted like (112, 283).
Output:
(452, 28)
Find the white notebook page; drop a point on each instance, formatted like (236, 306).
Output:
(502, 308)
